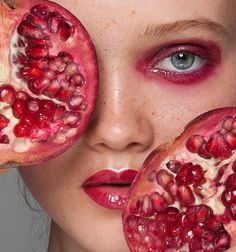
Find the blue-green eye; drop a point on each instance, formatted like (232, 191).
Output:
(181, 61)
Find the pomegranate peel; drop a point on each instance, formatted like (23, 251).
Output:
(48, 81)
(184, 197)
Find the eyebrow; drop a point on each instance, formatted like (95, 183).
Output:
(183, 25)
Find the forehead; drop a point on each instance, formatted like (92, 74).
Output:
(130, 12)
(116, 23)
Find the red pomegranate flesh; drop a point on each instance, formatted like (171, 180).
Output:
(184, 198)
(48, 81)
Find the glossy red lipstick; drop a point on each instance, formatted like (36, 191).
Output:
(109, 188)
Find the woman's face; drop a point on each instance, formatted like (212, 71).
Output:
(145, 98)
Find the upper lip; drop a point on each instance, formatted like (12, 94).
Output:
(111, 177)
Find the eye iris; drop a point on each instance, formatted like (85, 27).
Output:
(182, 60)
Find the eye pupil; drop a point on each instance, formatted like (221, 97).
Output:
(182, 60)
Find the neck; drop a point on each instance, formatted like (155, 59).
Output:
(59, 241)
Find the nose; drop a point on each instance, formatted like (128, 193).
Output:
(119, 122)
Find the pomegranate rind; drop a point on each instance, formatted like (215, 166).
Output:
(202, 125)
(83, 52)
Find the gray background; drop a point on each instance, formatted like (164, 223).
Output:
(21, 229)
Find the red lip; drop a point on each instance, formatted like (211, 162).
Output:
(109, 188)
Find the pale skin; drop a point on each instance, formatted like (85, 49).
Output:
(134, 114)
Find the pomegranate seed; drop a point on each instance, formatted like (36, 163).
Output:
(222, 241)
(52, 89)
(172, 211)
(77, 80)
(26, 29)
(229, 196)
(75, 102)
(54, 20)
(230, 181)
(233, 210)
(37, 21)
(56, 64)
(217, 146)
(202, 152)
(66, 57)
(40, 10)
(50, 74)
(227, 123)
(198, 190)
(62, 94)
(4, 121)
(195, 245)
(168, 198)
(47, 105)
(194, 143)
(72, 69)
(36, 52)
(37, 86)
(208, 237)
(184, 176)
(44, 118)
(41, 63)
(28, 72)
(18, 107)
(33, 105)
(29, 119)
(203, 213)
(197, 174)
(230, 138)
(164, 178)
(220, 174)
(72, 119)
(59, 113)
(4, 139)
(214, 224)
(132, 222)
(173, 165)
(20, 42)
(65, 31)
(234, 166)
(172, 188)
(22, 130)
(147, 208)
(44, 42)
(158, 202)
(7, 94)
(185, 195)
(22, 59)
(22, 95)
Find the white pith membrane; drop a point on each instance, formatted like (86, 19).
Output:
(139, 219)
(58, 131)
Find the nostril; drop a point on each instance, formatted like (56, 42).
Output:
(136, 146)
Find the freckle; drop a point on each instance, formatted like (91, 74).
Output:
(113, 21)
(153, 113)
(104, 103)
(133, 12)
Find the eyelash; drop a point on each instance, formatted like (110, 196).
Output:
(155, 66)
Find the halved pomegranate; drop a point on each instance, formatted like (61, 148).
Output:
(184, 198)
(48, 81)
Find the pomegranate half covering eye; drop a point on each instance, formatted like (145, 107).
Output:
(48, 81)
(184, 198)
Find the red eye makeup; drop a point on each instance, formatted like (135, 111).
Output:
(182, 63)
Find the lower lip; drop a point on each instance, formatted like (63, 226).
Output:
(108, 196)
